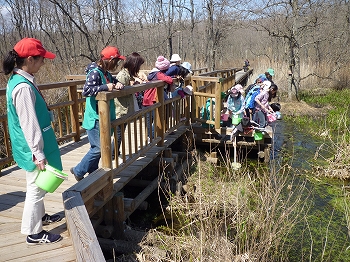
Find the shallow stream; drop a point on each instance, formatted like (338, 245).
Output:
(323, 234)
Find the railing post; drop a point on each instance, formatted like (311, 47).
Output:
(73, 95)
(105, 133)
(160, 116)
(119, 215)
(188, 103)
(195, 100)
(218, 90)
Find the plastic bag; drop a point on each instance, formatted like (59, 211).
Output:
(271, 118)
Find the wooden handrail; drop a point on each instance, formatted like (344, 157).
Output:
(71, 128)
(89, 195)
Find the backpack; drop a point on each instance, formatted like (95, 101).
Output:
(249, 88)
(248, 97)
(251, 104)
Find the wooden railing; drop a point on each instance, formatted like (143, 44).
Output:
(211, 85)
(88, 196)
(67, 110)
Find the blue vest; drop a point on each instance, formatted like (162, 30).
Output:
(20, 149)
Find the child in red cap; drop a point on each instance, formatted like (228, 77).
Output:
(98, 79)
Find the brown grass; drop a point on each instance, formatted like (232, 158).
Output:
(228, 216)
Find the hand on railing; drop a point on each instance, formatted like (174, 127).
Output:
(110, 86)
(117, 86)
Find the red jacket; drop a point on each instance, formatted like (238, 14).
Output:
(150, 95)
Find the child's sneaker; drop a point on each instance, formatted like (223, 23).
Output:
(43, 237)
(47, 219)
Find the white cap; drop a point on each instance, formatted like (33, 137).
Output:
(266, 85)
(175, 58)
(188, 66)
(188, 90)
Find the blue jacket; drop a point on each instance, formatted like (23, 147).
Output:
(248, 97)
(173, 71)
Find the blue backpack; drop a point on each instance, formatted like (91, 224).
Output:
(249, 99)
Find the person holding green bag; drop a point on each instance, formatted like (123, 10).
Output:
(32, 138)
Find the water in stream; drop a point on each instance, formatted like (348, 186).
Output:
(322, 235)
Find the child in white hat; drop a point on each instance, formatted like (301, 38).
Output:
(173, 70)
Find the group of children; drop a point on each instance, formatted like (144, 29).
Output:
(254, 102)
(29, 119)
(167, 71)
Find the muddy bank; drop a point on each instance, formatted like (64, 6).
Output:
(301, 108)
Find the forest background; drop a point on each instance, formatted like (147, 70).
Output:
(304, 41)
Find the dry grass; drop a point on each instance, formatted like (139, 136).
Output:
(338, 165)
(229, 216)
(295, 108)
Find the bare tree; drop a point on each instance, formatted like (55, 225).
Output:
(297, 23)
(289, 32)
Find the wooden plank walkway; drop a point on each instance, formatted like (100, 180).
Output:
(12, 195)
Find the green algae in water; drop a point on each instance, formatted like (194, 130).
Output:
(322, 233)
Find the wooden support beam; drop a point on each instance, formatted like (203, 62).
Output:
(109, 213)
(129, 205)
(162, 161)
(167, 153)
(139, 183)
(119, 215)
(104, 231)
(143, 195)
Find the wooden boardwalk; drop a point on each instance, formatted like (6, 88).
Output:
(12, 194)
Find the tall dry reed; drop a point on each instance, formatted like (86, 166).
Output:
(229, 215)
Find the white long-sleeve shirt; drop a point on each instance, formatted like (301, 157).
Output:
(24, 99)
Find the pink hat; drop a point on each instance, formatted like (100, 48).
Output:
(236, 89)
(32, 47)
(162, 63)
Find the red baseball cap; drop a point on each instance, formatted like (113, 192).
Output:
(32, 47)
(111, 52)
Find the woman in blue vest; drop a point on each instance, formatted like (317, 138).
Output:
(32, 138)
(98, 78)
